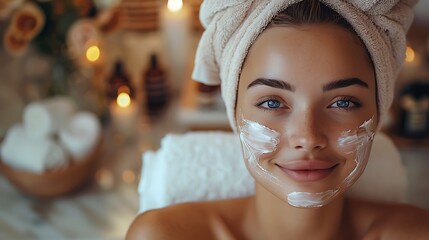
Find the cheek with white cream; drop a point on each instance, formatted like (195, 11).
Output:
(258, 140)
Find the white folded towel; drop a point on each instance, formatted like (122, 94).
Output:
(193, 166)
(80, 135)
(200, 166)
(35, 155)
(43, 118)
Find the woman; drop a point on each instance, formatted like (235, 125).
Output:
(305, 94)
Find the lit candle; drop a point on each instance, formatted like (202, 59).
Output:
(175, 20)
(84, 43)
(410, 55)
(125, 115)
(411, 64)
(93, 53)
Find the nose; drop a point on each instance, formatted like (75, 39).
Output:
(305, 133)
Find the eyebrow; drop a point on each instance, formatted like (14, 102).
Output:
(272, 83)
(342, 83)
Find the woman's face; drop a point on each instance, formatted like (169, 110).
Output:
(306, 111)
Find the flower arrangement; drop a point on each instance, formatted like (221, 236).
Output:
(61, 30)
(45, 22)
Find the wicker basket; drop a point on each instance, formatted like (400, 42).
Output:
(55, 183)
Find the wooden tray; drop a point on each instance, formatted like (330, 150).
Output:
(54, 183)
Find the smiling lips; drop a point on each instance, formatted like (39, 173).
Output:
(308, 170)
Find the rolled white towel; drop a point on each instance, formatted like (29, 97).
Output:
(43, 118)
(34, 155)
(80, 135)
(16, 131)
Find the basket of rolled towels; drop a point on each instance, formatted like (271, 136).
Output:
(53, 151)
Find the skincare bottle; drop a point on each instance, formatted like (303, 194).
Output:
(155, 86)
(118, 81)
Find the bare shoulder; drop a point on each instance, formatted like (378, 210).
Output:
(172, 222)
(390, 220)
(200, 220)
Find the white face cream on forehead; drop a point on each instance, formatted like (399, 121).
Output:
(261, 144)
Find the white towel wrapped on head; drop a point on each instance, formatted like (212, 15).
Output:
(200, 166)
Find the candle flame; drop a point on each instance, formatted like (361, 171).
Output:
(409, 55)
(174, 5)
(123, 100)
(93, 53)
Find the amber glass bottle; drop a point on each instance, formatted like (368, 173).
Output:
(118, 79)
(155, 87)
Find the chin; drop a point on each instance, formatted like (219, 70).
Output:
(307, 194)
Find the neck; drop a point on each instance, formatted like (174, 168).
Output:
(276, 219)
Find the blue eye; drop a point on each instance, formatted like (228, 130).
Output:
(345, 103)
(270, 104)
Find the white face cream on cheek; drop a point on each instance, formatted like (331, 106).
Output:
(356, 142)
(258, 139)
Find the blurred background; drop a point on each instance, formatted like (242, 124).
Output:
(88, 86)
